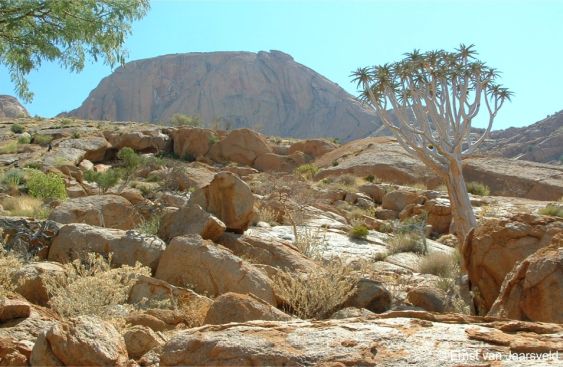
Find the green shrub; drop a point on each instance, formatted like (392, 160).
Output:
(477, 188)
(130, 158)
(24, 139)
(46, 186)
(359, 231)
(42, 139)
(105, 180)
(179, 119)
(307, 170)
(213, 139)
(17, 129)
(13, 178)
(553, 210)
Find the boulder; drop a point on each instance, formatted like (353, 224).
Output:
(492, 250)
(370, 295)
(210, 269)
(11, 107)
(149, 140)
(94, 147)
(271, 162)
(268, 251)
(234, 307)
(192, 142)
(397, 200)
(128, 247)
(229, 199)
(110, 211)
(349, 312)
(533, 290)
(13, 352)
(312, 147)
(80, 341)
(61, 156)
(31, 280)
(13, 309)
(190, 219)
(148, 289)
(172, 200)
(140, 339)
(241, 146)
(427, 298)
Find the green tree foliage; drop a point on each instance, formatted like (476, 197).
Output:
(67, 31)
(105, 180)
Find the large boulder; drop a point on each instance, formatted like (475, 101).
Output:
(234, 307)
(190, 219)
(111, 211)
(533, 290)
(192, 142)
(128, 247)
(80, 341)
(62, 156)
(140, 339)
(32, 278)
(493, 249)
(148, 140)
(11, 107)
(397, 200)
(241, 146)
(211, 269)
(272, 162)
(312, 147)
(428, 298)
(148, 289)
(370, 295)
(94, 147)
(11, 309)
(268, 251)
(229, 199)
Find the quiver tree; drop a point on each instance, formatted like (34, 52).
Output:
(434, 97)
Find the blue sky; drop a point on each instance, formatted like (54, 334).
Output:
(520, 38)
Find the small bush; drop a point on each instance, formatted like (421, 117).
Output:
(24, 139)
(334, 163)
(553, 210)
(359, 231)
(9, 148)
(75, 134)
(92, 287)
(406, 242)
(370, 178)
(317, 294)
(46, 186)
(105, 180)
(42, 139)
(268, 215)
(440, 264)
(8, 265)
(23, 206)
(17, 129)
(130, 158)
(307, 171)
(477, 188)
(213, 139)
(13, 178)
(150, 226)
(311, 242)
(179, 119)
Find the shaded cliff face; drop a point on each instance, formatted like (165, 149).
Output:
(267, 90)
(539, 142)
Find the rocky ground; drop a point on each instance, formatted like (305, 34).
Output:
(135, 244)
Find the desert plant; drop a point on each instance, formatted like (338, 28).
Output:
(434, 97)
(9, 148)
(8, 265)
(150, 226)
(17, 129)
(46, 186)
(268, 215)
(478, 188)
(75, 134)
(91, 287)
(24, 139)
(24, 206)
(553, 210)
(311, 241)
(317, 294)
(307, 171)
(179, 119)
(440, 264)
(42, 139)
(359, 231)
(406, 242)
(105, 180)
(13, 178)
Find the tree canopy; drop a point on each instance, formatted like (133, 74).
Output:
(67, 31)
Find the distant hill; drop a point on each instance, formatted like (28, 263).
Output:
(267, 91)
(539, 142)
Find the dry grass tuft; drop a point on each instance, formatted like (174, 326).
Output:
(440, 264)
(8, 265)
(311, 241)
(553, 210)
(24, 206)
(406, 242)
(92, 287)
(317, 294)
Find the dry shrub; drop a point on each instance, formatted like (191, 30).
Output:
(317, 294)
(8, 265)
(311, 241)
(91, 287)
(406, 242)
(24, 206)
(268, 215)
(440, 264)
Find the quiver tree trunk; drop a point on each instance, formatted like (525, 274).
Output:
(462, 211)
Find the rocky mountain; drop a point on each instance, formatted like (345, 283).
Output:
(11, 107)
(267, 91)
(539, 142)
